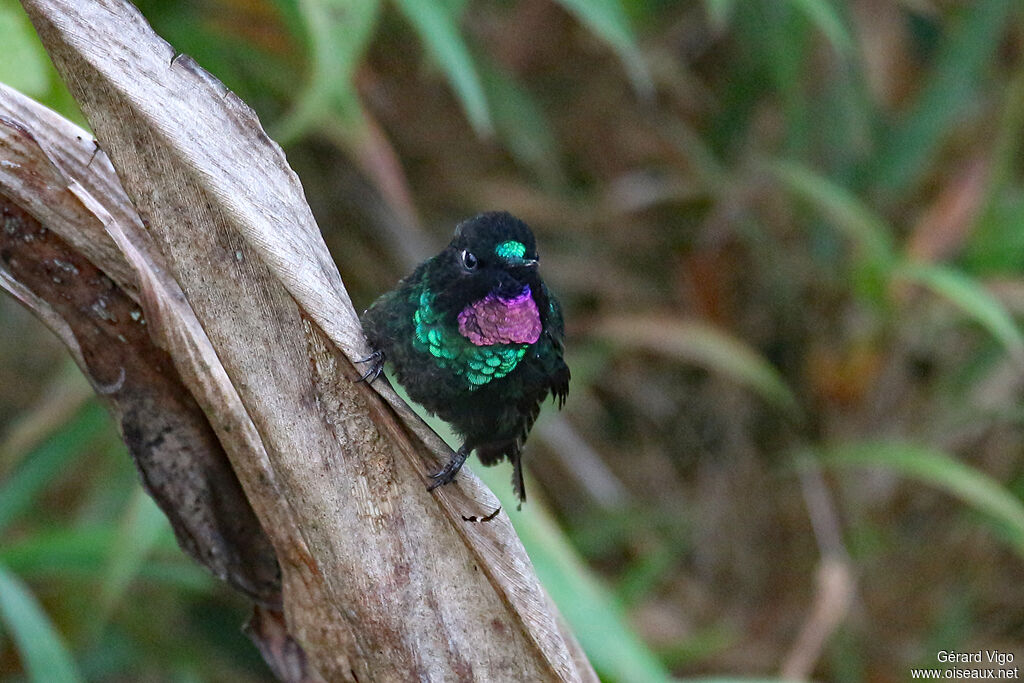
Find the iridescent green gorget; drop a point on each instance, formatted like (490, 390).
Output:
(450, 350)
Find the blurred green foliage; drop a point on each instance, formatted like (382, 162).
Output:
(788, 239)
(25, 65)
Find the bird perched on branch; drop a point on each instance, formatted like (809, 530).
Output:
(475, 337)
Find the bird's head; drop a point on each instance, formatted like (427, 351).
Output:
(486, 280)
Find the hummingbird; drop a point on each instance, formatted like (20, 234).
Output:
(475, 337)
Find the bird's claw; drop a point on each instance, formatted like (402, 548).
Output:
(376, 360)
(446, 474)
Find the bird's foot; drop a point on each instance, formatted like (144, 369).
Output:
(376, 360)
(446, 475)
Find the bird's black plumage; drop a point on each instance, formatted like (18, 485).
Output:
(476, 338)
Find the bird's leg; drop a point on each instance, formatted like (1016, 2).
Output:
(376, 360)
(447, 473)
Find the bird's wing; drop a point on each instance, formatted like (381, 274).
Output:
(551, 350)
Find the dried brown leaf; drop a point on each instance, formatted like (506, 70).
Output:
(180, 460)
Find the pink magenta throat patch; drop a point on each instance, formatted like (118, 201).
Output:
(496, 320)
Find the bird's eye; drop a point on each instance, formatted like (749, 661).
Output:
(469, 261)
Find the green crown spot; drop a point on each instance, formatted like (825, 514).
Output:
(510, 249)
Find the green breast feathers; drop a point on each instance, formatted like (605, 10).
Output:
(449, 349)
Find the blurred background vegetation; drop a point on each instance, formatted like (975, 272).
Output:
(789, 239)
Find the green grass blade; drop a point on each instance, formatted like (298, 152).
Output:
(48, 461)
(24, 66)
(645, 573)
(823, 15)
(140, 530)
(77, 549)
(996, 246)
(521, 125)
(455, 8)
(594, 617)
(939, 469)
(43, 652)
(972, 298)
(996, 242)
(339, 33)
(83, 553)
(438, 28)
(867, 230)
(1006, 144)
(906, 151)
(609, 21)
(719, 13)
(703, 345)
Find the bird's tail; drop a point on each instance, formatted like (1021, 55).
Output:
(490, 454)
(518, 485)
